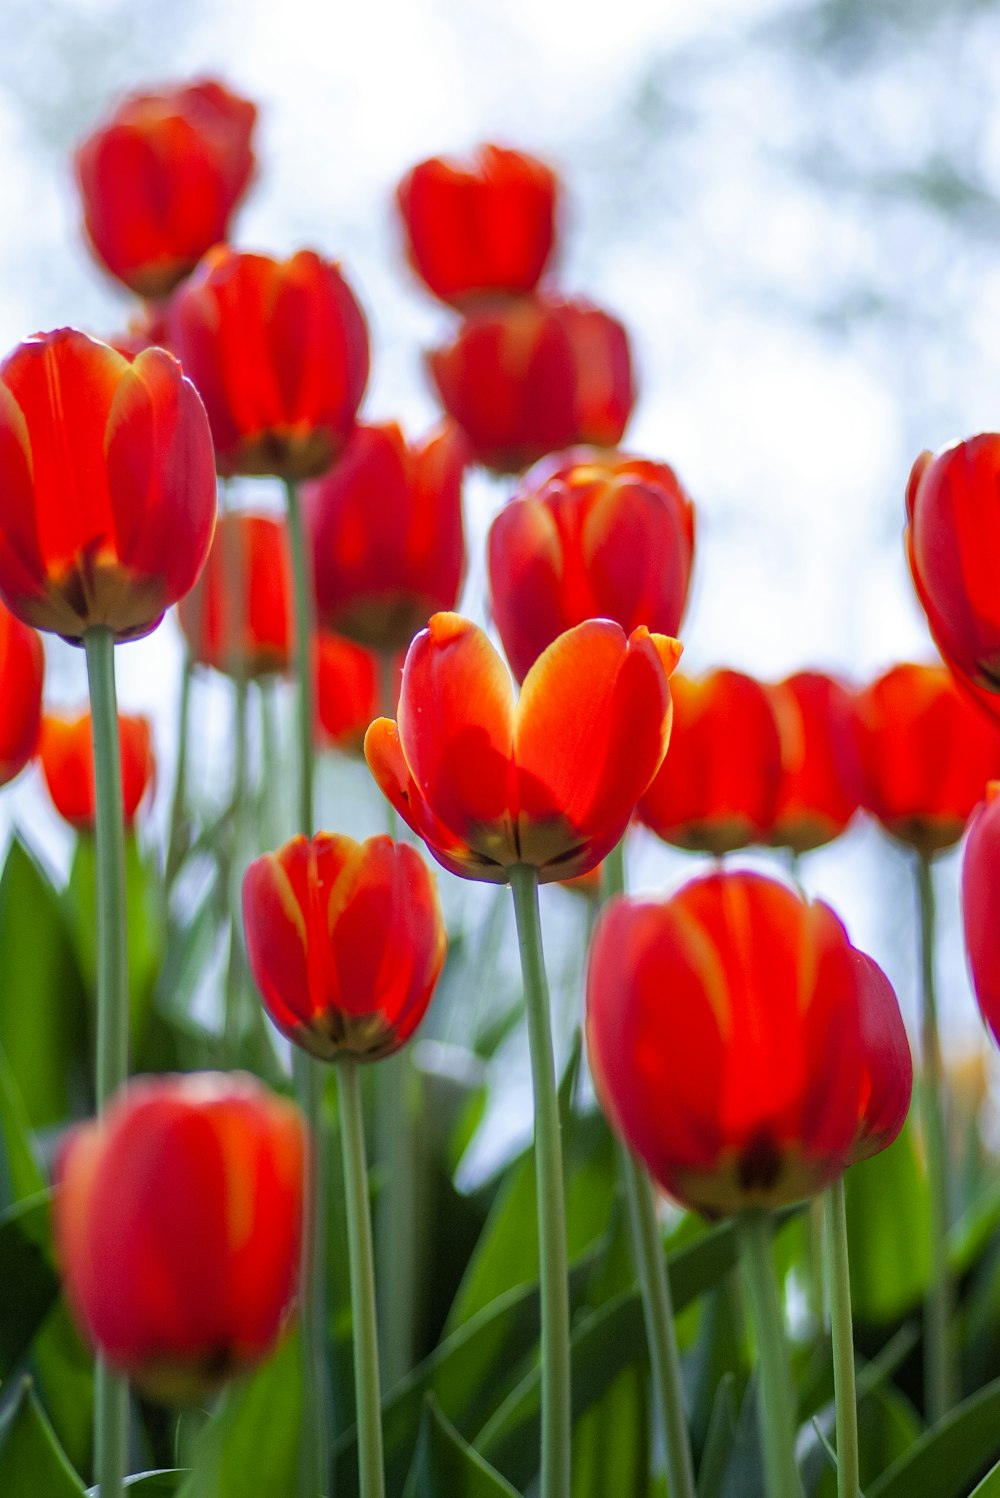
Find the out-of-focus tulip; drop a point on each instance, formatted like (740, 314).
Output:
(347, 692)
(821, 782)
(536, 376)
(589, 535)
(926, 755)
(107, 486)
(160, 181)
(345, 942)
(66, 751)
(386, 532)
(952, 541)
(279, 352)
(178, 1220)
(719, 785)
(549, 780)
(728, 1045)
(238, 617)
(478, 230)
(981, 906)
(22, 670)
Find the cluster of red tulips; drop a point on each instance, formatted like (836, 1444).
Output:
(745, 1053)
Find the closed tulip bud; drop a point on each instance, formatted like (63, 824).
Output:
(386, 532)
(178, 1222)
(66, 751)
(732, 1046)
(160, 181)
(22, 671)
(238, 617)
(481, 230)
(279, 352)
(345, 942)
(536, 376)
(589, 535)
(926, 755)
(981, 906)
(107, 486)
(718, 787)
(347, 692)
(821, 782)
(549, 780)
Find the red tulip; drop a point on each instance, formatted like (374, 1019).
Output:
(719, 784)
(887, 1086)
(589, 535)
(981, 906)
(550, 780)
(161, 179)
(238, 617)
(347, 691)
(345, 941)
(926, 755)
(536, 376)
(952, 541)
(386, 531)
(22, 669)
(66, 751)
(821, 783)
(479, 230)
(178, 1220)
(728, 1043)
(279, 352)
(107, 486)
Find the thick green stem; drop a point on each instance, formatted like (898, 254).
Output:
(838, 1277)
(178, 806)
(359, 1232)
(314, 1464)
(776, 1404)
(111, 1393)
(939, 1393)
(556, 1409)
(304, 616)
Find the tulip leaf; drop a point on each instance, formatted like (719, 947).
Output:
(611, 1441)
(31, 1459)
(946, 1458)
(990, 1485)
(444, 1463)
(719, 1440)
(165, 1483)
(25, 1261)
(43, 1013)
(20, 1169)
(888, 1225)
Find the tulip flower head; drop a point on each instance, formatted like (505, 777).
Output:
(66, 751)
(238, 617)
(589, 535)
(541, 374)
(279, 352)
(981, 906)
(345, 942)
(22, 670)
(550, 779)
(347, 692)
(107, 486)
(719, 784)
(481, 230)
(178, 1222)
(926, 755)
(161, 179)
(821, 781)
(730, 1046)
(386, 531)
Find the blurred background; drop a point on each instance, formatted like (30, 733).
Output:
(792, 204)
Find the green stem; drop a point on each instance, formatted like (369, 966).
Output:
(178, 807)
(359, 1232)
(111, 1392)
(314, 1465)
(556, 1408)
(304, 617)
(234, 969)
(938, 1370)
(839, 1280)
(776, 1406)
(651, 1268)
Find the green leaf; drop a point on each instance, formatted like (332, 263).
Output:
(719, 1441)
(31, 1460)
(66, 1382)
(21, 1173)
(611, 1441)
(25, 1261)
(990, 1485)
(888, 1230)
(163, 1484)
(445, 1464)
(43, 1012)
(252, 1443)
(946, 1458)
